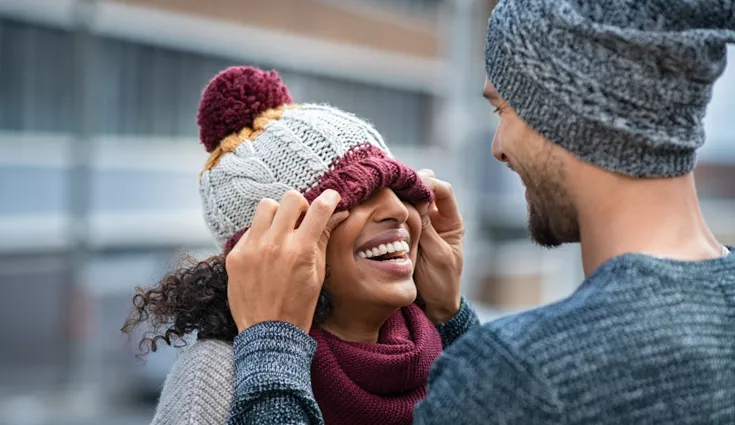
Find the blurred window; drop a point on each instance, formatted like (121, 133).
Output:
(32, 306)
(36, 66)
(151, 91)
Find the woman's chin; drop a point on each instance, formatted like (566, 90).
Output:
(400, 294)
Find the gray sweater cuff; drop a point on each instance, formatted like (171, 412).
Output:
(460, 324)
(272, 356)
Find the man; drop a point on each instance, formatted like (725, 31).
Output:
(601, 106)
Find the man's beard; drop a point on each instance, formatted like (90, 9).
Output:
(552, 221)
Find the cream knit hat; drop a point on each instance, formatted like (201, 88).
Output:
(262, 145)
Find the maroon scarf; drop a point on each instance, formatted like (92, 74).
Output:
(379, 383)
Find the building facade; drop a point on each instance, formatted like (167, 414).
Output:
(99, 153)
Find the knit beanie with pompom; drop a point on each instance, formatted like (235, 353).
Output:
(262, 145)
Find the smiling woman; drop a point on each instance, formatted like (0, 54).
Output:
(367, 290)
(374, 343)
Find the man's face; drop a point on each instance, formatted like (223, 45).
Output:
(541, 166)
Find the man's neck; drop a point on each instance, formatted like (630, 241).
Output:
(659, 217)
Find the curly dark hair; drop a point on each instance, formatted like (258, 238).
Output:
(191, 298)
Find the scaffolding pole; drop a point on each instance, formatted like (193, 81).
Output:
(78, 192)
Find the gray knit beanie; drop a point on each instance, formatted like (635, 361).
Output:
(622, 84)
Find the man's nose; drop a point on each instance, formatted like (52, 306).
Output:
(498, 149)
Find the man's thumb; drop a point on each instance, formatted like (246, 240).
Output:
(333, 222)
(430, 238)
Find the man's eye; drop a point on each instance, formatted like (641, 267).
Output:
(496, 110)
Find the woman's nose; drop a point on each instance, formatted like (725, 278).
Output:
(389, 207)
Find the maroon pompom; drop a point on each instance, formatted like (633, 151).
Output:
(234, 98)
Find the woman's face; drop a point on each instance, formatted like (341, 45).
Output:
(371, 255)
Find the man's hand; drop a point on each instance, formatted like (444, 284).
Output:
(276, 270)
(440, 259)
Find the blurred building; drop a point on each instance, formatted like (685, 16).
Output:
(99, 158)
(99, 153)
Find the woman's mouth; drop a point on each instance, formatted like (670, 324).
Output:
(389, 253)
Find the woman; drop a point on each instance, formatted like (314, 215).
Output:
(374, 344)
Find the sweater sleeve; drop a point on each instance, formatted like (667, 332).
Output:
(273, 377)
(198, 390)
(273, 372)
(481, 379)
(460, 324)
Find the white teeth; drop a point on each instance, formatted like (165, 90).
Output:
(398, 260)
(400, 247)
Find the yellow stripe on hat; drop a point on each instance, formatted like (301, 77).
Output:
(231, 142)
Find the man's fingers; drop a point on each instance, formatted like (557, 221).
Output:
(263, 218)
(429, 236)
(318, 215)
(433, 213)
(424, 208)
(333, 222)
(293, 204)
(426, 173)
(444, 198)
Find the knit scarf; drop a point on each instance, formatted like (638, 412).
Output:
(358, 383)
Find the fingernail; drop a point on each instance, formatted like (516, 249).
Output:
(331, 196)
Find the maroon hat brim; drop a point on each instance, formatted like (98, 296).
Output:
(357, 175)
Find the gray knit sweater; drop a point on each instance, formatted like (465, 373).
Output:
(642, 341)
(199, 389)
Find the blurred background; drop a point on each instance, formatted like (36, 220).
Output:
(99, 161)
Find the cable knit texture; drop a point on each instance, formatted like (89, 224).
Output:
(357, 175)
(623, 84)
(200, 387)
(643, 341)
